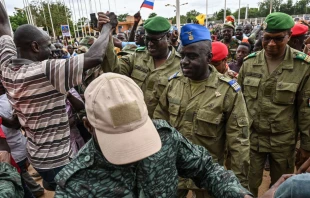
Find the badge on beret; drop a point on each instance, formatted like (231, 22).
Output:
(264, 25)
(190, 36)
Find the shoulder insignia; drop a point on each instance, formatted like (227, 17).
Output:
(139, 49)
(250, 56)
(173, 76)
(302, 56)
(232, 82)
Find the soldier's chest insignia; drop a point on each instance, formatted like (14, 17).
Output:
(234, 85)
(217, 94)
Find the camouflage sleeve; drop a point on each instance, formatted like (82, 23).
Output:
(10, 182)
(161, 111)
(304, 113)
(237, 135)
(195, 162)
(111, 63)
(241, 76)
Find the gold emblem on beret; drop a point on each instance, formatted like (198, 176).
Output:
(264, 25)
(190, 36)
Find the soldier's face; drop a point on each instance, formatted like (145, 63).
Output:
(275, 43)
(195, 60)
(157, 44)
(227, 33)
(220, 65)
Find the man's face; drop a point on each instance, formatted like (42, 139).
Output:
(44, 48)
(70, 49)
(121, 36)
(194, 61)
(227, 33)
(242, 51)
(156, 44)
(247, 29)
(239, 32)
(139, 36)
(220, 65)
(275, 43)
(174, 36)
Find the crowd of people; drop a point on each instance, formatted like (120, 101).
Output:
(156, 112)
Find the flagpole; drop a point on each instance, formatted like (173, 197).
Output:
(225, 11)
(49, 10)
(178, 14)
(70, 18)
(64, 5)
(25, 11)
(42, 7)
(73, 10)
(81, 19)
(207, 4)
(239, 13)
(87, 18)
(29, 10)
(110, 6)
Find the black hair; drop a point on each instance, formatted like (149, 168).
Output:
(246, 45)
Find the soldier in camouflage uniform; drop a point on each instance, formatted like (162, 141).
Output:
(132, 156)
(229, 41)
(150, 66)
(206, 107)
(276, 87)
(10, 182)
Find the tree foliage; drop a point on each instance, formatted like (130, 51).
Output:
(153, 14)
(19, 18)
(122, 17)
(220, 14)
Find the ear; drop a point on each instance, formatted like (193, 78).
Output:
(289, 35)
(35, 46)
(209, 57)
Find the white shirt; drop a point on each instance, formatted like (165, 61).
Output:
(16, 140)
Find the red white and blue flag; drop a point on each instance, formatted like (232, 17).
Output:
(148, 4)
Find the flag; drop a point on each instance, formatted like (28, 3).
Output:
(148, 4)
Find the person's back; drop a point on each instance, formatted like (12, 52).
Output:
(131, 156)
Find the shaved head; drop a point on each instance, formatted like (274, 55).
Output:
(32, 43)
(26, 34)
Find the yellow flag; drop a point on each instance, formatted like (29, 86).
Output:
(201, 19)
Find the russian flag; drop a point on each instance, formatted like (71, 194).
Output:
(148, 4)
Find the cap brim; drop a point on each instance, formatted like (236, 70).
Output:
(131, 146)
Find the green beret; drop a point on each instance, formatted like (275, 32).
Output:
(156, 25)
(278, 22)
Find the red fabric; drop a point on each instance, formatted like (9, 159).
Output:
(299, 29)
(219, 51)
(2, 135)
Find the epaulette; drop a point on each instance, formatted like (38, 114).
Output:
(173, 76)
(250, 56)
(232, 82)
(302, 56)
(140, 49)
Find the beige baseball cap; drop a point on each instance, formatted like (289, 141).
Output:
(115, 107)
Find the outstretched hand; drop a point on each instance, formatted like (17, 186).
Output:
(104, 18)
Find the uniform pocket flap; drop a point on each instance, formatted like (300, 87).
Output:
(242, 122)
(139, 75)
(163, 80)
(251, 81)
(209, 116)
(283, 86)
(174, 109)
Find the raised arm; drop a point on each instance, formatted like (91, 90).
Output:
(5, 28)
(94, 55)
(137, 18)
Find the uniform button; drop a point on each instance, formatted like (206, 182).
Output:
(87, 158)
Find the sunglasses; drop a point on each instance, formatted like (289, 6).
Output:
(277, 40)
(155, 41)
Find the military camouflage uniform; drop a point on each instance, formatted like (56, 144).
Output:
(91, 175)
(232, 48)
(10, 182)
(278, 106)
(140, 67)
(216, 113)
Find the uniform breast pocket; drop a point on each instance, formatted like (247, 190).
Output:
(207, 123)
(251, 85)
(285, 93)
(139, 76)
(174, 112)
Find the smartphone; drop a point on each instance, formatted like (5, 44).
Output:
(93, 20)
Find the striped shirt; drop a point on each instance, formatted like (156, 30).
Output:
(37, 93)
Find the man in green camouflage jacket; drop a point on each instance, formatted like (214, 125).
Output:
(131, 156)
